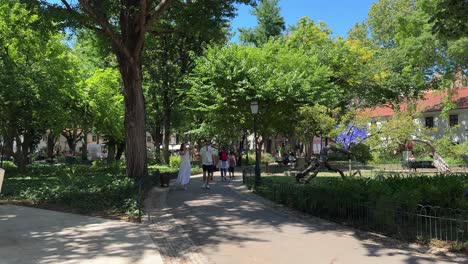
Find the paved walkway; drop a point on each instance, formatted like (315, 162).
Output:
(228, 224)
(35, 236)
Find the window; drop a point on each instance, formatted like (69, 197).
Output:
(453, 120)
(148, 139)
(94, 138)
(430, 121)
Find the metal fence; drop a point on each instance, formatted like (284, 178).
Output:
(421, 223)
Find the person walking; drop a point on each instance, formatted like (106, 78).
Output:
(207, 156)
(223, 163)
(232, 164)
(185, 167)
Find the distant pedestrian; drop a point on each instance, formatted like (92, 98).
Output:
(185, 167)
(232, 164)
(206, 153)
(223, 163)
(412, 162)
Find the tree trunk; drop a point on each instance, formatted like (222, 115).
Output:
(166, 125)
(22, 151)
(135, 126)
(50, 145)
(8, 142)
(111, 150)
(310, 149)
(268, 144)
(157, 142)
(241, 150)
(120, 150)
(84, 147)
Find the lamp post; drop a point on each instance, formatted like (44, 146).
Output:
(254, 109)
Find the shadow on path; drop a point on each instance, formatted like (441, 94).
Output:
(231, 225)
(31, 235)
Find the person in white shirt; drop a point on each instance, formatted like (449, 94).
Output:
(208, 160)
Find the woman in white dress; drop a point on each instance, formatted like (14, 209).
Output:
(185, 166)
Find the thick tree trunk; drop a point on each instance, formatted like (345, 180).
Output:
(50, 145)
(135, 126)
(120, 150)
(22, 151)
(110, 151)
(84, 147)
(8, 142)
(268, 144)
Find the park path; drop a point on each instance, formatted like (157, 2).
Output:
(228, 224)
(36, 236)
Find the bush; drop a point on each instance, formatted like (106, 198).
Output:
(389, 204)
(82, 188)
(362, 153)
(174, 161)
(8, 164)
(267, 158)
(250, 160)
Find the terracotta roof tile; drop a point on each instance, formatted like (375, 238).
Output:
(432, 102)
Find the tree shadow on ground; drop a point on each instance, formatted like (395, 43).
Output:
(30, 235)
(222, 220)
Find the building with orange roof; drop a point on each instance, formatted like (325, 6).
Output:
(431, 105)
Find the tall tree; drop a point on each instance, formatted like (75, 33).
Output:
(170, 52)
(35, 73)
(270, 24)
(107, 107)
(125, 24)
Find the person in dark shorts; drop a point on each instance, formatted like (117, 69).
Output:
(206, 153)
(232, 164)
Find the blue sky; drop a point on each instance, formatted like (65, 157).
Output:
(339, 15)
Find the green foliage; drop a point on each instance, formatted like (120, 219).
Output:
(362, 152)
(270, 24)
(83, 188)
(369, 202)
(391, 192)
(8, 165)
(447, 149)
(314, 121)
(106, 103)
(37, 74)
(174, 161)
(267, 158)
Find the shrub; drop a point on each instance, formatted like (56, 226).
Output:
(174, 161)
(362, 153)
(267, 158)
(80, 187)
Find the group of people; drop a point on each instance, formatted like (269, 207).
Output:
(210, 160)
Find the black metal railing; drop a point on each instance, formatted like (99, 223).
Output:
(421, 223)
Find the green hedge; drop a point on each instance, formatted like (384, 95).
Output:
(82, 188)
(392, 192)
(386, 204)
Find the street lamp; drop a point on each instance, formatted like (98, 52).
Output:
(254, 110)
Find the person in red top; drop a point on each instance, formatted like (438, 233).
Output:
(223, 160)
